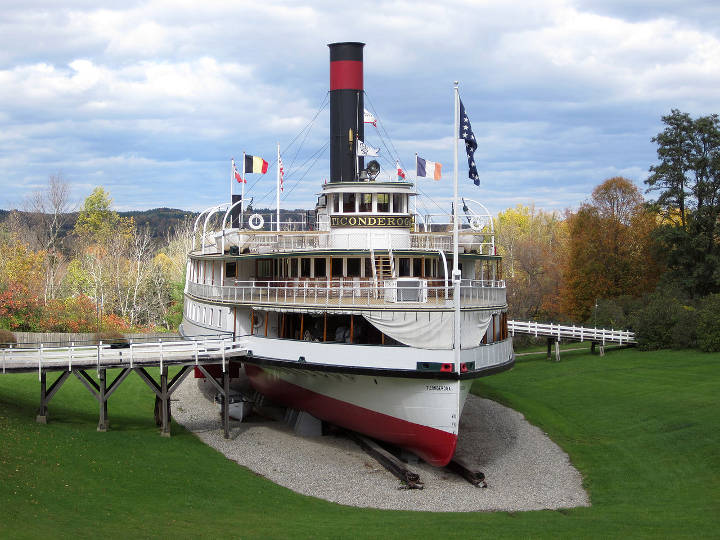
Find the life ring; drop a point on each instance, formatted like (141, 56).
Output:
(476, 223)
(256, 221)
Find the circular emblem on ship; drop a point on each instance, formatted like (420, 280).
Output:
(256, 222)
(477, 223)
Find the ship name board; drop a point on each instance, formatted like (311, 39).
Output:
(406, 222)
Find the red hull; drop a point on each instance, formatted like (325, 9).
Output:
(432, 445)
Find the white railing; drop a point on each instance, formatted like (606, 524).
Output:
(134, 355)
(492, 353)
(351, 292)
(600, 335)
(284, 241)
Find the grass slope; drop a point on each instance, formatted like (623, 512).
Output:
(641, 427)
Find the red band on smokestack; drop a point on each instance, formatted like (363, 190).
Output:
(346, 75)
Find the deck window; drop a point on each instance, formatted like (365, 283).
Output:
(417, 267)
(404, 267)
(383, 202)
(231, 270)
(348, 202)
(353, 267)
(320, 268)
(264, 268)
(305, 267)
(398, 203)
(336, 203)
(337, 268)
(368, 267)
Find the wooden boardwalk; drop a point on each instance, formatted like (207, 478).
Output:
(127, 358)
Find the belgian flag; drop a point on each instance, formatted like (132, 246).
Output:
(255, 164)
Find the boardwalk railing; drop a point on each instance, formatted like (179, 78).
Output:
(105, 356)
(580, 333)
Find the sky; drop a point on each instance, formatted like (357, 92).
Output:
(151, 100)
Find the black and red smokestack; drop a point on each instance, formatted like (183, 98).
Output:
(346, 109)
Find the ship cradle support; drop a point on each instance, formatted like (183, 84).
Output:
(401, 470)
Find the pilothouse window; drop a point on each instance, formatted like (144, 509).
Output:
(398, 203)
(348, 202)
(365, 202)
(383, 202)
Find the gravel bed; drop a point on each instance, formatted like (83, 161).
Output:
(524, 469)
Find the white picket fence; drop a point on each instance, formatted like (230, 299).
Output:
(574, 333)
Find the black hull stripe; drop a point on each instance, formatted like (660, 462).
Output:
(378, 372)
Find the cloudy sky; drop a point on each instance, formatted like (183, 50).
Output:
(152, 99)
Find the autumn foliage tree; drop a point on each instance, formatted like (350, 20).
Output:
(610, 249)
(531, 243)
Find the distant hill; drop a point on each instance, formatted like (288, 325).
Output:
(161, 221)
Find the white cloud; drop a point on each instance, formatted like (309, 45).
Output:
(155, 95)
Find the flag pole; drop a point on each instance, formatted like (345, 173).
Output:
(232, 177)
(456, 266)
(277, 191)
(416, 176)
(242, 195)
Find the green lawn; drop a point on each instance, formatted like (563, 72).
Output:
(643, 428)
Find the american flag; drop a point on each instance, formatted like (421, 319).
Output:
(467, 135)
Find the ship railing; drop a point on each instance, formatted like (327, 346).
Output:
(469, 242)
(268, 242)
(355, 292)
(284, 241)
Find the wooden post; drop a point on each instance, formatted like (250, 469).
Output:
(352, 317)
(102, 398)
(302, 325)
(282, 327)
(267, 318)
(252, 320)
(382, 338)
(325, 327)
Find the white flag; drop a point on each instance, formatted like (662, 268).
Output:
(369, 118)
(366, 150)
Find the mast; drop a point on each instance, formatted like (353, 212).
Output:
(456, 266)
(277, 191)
(242, 195)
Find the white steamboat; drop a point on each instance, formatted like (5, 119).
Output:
(353, 319)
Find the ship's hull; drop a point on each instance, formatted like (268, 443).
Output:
(420, 415)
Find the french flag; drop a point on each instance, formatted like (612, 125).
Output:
(429, 169)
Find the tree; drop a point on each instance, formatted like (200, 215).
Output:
(47, 211)
(530, 242)
(687, 177)
(96, 221)
(610, 249)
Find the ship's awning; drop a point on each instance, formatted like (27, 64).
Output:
(430, 330)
